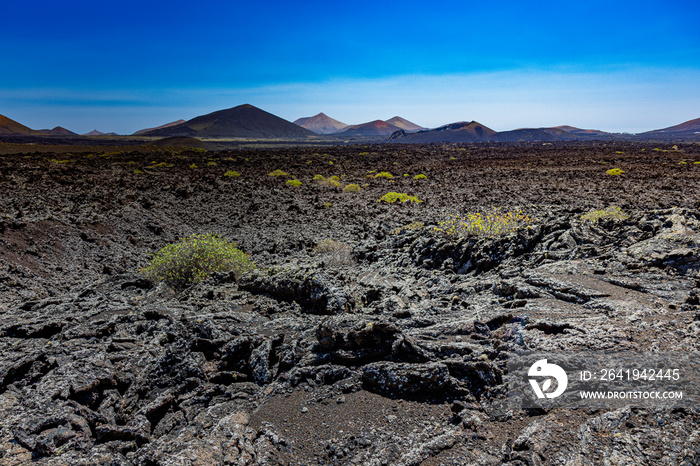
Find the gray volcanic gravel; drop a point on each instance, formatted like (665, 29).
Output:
(388, 348)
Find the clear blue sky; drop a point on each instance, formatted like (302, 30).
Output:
(122, 66)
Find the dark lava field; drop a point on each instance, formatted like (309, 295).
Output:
(364, 335)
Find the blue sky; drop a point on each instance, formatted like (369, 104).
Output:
(122, 66)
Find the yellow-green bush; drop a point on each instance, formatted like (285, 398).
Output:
(420, 177)
(615, 172)
(612, 212)
(392, 197)
(277, 173)
(319, 178)
(293, 183)
(195, 258)
(351, 188)
(383, 175)
(493, 223)
(231, 174)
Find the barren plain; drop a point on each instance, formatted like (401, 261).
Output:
(365, 335)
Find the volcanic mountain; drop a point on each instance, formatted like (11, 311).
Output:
(453, 132)
(404, 124)
(243, 121)
(579, 131)
(94, 132)
(167, 125)
(58, 130)
(321, 124)
(689, 129)
(372, 128)
(8, 126)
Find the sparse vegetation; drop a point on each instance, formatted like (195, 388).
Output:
(351, 188)
(410, 227)
(331, 182)
(383, 175)
(60, 161)
(195, 258)
(615, 171)
(612, 212)
(319, 178)
(293, 183)
(277, 173)
(420, 177)
(392, 197)
(231, 174)
(334, 253)
(194, 165)
(493, 223)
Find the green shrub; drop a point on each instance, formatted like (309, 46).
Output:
(334, 177)
(194, 165)
(612, 212)
(196, 258)
(293, 183)
(420, 177)
(330, 182)
(392, 197)
(615, 172)
(319, 178)
(277, 173)
(383, 175)
(232, 174)
(60, 161)
(493, 223)
(351, 188)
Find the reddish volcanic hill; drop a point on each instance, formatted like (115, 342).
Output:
(58, 130)
(243, 121)
(372, 128)
(404, 124)
(167, 125)
(579, 131)
(689, 129)
(9, 126)
(454, 132)
(321, 124)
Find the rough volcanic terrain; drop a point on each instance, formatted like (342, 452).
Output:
(386, 345)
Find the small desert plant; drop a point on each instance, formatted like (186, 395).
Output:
(351, 188)
(211, 164)
(196, 258)
(383, 175)
(231, 174)
(138, 172)
(420, 177)
(612, 212)
(194, 165)
(493, 223)
(334, 253)
(615, 172)
(60, 161)
(293, 183)
(277, 173)
(392, 197)
(410, 227)
(319, 178)
(334, 177)
(330, 182)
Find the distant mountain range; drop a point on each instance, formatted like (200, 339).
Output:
(247, 121)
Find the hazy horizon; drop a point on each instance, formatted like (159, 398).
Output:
(623, 67)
